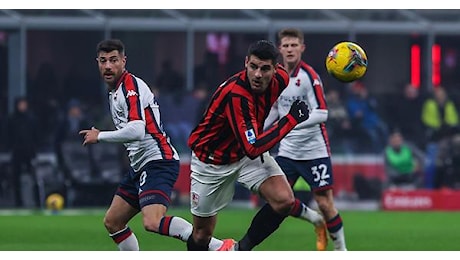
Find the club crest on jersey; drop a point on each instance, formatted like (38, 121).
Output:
(250, 136)
(131, 93)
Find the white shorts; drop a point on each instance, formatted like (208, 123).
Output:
(213, 186)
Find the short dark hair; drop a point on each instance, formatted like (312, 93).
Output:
(264, 50)
(111, 45)
(291, 32)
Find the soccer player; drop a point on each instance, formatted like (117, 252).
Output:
(154, 162)
(305, 151)
(229, 144)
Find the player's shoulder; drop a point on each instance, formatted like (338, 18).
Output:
(140, 83)
(310, 72)
(308, 68)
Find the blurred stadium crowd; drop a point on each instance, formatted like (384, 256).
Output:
(63, 94)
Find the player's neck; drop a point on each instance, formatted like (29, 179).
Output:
(291, 66)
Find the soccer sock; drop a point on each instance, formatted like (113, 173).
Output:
(300, 210)
(180, 228)
(175, 227)
(264, 223)
(192, 246)
(336, 232)
(125, 240)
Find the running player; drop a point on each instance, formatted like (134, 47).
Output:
(154, 162)
(305, 151)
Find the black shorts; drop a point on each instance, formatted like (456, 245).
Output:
(317, 172)
(152, 185)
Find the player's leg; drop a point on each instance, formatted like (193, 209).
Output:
(203, 229)
(156, 220)
(325, 201)
(155, 184)
(116, 222)
(319, 176)
(212, 188)
(293, 170)
(266, 178)
(270, 216)
(124, 207)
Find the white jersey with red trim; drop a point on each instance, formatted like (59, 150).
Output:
(309, 139)
(133, 100)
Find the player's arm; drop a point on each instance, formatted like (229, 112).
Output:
(134, 105)
(316, 101)
(133, 131)
(245, 127)
(317, 116)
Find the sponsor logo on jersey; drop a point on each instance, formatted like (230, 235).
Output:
(250, 136)
(316, 82)
(131, 93)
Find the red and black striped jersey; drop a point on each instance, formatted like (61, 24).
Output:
(232, 126)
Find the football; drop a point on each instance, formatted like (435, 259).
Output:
(55, 202)
(346, 61)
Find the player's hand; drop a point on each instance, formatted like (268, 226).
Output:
(299, 110)
(90, 136)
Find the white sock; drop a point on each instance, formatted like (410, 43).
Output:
(310, 215)
(128, 244)
(339, 240)
(182, 229)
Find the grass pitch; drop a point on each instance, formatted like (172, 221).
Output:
(365, 231)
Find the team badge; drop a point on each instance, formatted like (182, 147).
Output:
(195, 199)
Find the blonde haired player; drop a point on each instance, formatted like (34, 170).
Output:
(304, 152)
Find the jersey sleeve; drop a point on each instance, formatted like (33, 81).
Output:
(316, 100)
(246, 128)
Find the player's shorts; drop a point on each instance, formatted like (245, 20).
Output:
(152, 185)
(317, 173)
(213, 186)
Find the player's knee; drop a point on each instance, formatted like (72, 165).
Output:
(322, 204)
(326, 205)
(283, 205)
(112, 224)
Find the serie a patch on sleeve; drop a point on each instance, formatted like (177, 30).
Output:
(250, 136)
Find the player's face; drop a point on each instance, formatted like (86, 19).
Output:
(291, 49)
(111, 66)
(260, 73)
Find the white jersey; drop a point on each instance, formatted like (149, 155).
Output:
(308, 140)
(132, 101)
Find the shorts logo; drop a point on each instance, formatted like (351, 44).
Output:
(323, 183)
(195, 199)
(250, 136)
